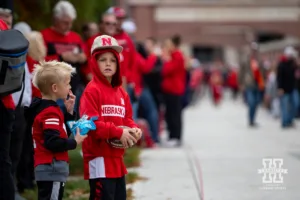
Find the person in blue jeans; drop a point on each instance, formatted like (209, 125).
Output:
(251, 83)
(146, 101)
(134, 101)
(287, 109)
(286, 85)
(253, 100)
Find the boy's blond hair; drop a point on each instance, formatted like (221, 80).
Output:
(46, 74)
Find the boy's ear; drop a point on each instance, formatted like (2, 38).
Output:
(54, 87)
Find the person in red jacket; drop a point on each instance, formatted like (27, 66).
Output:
(128, 53)
(106, 99)
(65, 45)
(173, 86)
(50, 137)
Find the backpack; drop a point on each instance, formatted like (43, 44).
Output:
(13, 50)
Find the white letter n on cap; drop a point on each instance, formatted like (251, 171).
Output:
(106, 41)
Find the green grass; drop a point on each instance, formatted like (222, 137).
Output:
(76, 162)
(131, 177)
(77, 188)
(132, 157)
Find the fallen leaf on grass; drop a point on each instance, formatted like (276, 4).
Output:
(140, 178)
(78, 193)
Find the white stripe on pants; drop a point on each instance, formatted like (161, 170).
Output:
(55, 191)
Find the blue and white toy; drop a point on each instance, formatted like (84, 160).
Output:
(84, 124)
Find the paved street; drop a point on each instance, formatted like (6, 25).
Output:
(221, 158)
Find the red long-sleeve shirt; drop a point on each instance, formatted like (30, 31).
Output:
(174, 75)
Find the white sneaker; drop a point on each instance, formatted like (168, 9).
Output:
(172, 143)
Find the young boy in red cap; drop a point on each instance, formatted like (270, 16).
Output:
(106, 99)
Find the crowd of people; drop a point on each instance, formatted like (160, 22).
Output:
(154, 74)
(151, 80)
(261, 82)
(272, 84)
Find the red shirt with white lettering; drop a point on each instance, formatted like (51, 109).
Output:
(57, 43)
(111, 104)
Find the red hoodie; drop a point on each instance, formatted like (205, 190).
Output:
(7, 100)
(112, 107)
(174, 75)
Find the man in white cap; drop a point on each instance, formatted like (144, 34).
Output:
(128, 54)
(286, 84)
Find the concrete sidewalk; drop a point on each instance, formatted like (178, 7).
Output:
(230, 154)
(169, 175)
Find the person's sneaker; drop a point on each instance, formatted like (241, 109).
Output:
(292, 125)
(173, 143)
(254, 125)
(156, 145)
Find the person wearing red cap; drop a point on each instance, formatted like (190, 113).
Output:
(7, 107)
(105, 99)
(129, 51)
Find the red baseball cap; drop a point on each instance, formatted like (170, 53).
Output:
(117, 11)
(3, 25)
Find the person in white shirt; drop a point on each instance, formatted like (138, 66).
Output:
(19, 128)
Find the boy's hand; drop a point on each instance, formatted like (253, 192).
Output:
(70, 103)
(138, 133)
(127, 139)
(79, 138)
